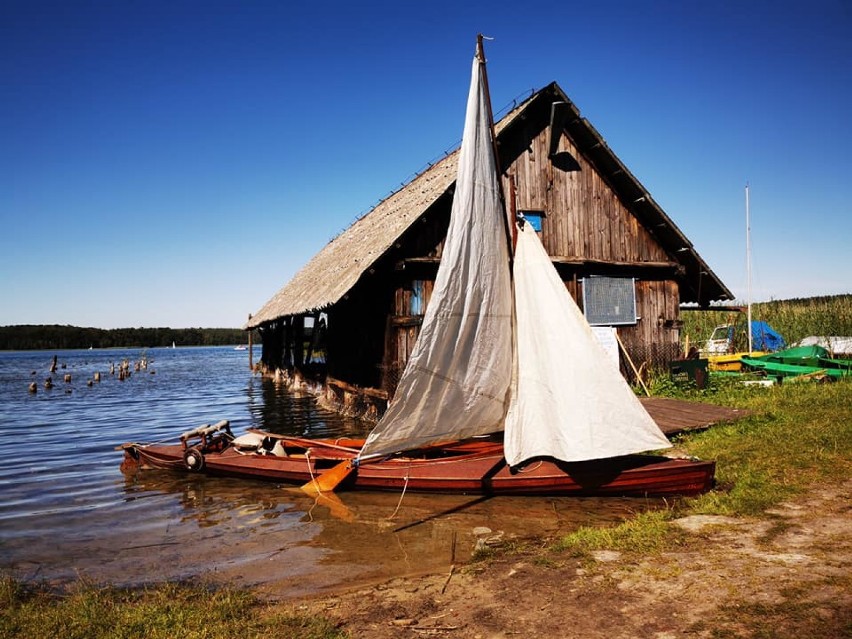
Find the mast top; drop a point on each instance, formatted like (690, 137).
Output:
(480, 50)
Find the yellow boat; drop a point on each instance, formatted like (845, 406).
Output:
(730, 362)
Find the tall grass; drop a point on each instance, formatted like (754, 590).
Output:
(794, 319)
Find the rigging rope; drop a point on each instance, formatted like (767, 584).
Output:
(404, 488)
(310, 470)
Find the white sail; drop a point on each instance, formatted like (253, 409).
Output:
(568, 400)
(542, 375)
(457, 379)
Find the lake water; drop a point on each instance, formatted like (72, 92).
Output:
(66, 511)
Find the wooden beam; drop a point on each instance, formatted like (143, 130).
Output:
(568, 260)
(376, 393)
(422, 260)
(407, 320)
(576, 262)
(581, 261)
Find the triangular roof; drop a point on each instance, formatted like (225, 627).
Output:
(699, 283)
(332, 272)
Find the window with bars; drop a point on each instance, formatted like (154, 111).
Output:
(609, 301)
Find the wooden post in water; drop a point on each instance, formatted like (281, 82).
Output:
(299, 342)
(251, 361)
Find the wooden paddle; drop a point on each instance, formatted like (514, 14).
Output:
(329, 480)
(331, 501)
(335, 506)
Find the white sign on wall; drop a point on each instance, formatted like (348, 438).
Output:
(607, 339)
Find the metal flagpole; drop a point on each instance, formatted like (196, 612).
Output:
(748, 269)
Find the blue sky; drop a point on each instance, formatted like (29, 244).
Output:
(175, 163)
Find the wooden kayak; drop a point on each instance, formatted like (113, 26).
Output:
(471, 467)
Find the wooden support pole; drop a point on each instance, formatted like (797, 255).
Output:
(251, 358)
(298, 341)
(630, 361)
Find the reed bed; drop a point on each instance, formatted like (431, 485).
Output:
(794, 319)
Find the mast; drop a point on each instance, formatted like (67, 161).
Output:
(480, 55)
(508, 205)
(456, 382)
(748, 269)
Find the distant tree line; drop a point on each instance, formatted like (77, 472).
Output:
(48, 337)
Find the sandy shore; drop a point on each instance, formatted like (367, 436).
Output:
(783, 575)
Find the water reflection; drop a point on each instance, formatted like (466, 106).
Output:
(208, 502)
(356, 536)
(67, 510)
(276, 410)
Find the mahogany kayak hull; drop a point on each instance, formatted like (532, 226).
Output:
(476, 467)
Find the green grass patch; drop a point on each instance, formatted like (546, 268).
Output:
(798, 435)
(164, 611)
(646, 533)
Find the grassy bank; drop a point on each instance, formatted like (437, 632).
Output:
(797, 436)
(795, 447)
(167, 611)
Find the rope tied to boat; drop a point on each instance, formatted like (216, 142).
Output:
(311, 470)
(404, 488)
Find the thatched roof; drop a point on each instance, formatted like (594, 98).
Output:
(336, 268)
(332, 272)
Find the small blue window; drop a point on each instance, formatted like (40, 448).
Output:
(416, 303)
(534, 219)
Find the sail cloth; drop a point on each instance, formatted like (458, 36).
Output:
(568, 400)
(549, 383)
(456, 382)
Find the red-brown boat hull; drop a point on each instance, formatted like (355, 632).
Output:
(474, 467)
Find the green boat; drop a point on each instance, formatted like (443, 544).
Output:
(803, 360)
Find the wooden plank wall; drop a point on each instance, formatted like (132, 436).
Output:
(584, 218)
(356, 334)
(654, 340)
(404, 327)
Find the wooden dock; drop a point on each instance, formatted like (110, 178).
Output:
(675, 415)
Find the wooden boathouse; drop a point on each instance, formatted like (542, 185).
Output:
(345, 325)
